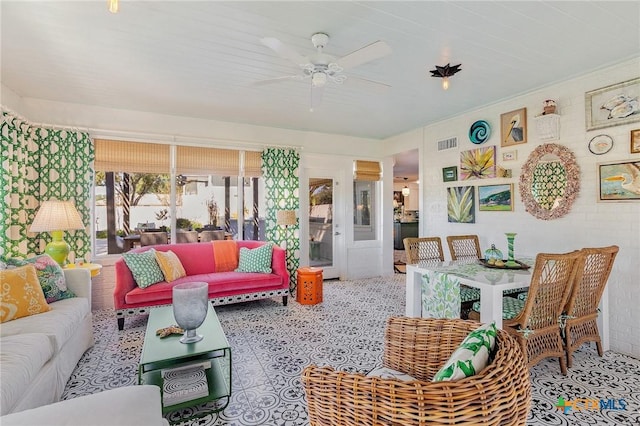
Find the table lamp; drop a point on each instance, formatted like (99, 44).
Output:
(56, 216)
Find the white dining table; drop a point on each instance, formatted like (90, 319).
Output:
(491, 282)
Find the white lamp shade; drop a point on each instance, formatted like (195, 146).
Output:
(406, 191)
(286, 217)
(56, 215)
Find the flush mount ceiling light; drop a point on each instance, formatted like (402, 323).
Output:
(444, 73)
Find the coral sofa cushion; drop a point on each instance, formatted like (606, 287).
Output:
(144, 267)
(255, 260)
(170, 265)
(471, 357)
(21, 294)
(50, 275)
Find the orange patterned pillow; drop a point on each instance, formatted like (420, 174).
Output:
(21, 294)
(170, 265)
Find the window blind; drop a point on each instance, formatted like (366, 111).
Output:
(133, 157)
(207, 161)
(252, 163)
(367, 170)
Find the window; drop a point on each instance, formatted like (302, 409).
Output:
(365, 184)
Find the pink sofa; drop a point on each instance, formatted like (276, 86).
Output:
(198, 262)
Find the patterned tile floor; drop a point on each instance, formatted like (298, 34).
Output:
(271, 344)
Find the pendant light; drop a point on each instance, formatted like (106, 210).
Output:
(406, 191)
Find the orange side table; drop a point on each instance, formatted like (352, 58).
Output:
(309, 291)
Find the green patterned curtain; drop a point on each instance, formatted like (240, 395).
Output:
(280, 170)
(40, 164)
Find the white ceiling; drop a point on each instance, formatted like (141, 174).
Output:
(199, 59)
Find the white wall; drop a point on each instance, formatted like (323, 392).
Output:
(589, 224)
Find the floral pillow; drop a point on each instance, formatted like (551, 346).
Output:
(471, 357)
(50, 275)
(21, 294)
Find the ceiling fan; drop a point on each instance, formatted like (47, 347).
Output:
(320, 68)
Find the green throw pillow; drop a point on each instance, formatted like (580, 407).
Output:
(255, 260)
(50, 275)
(471, 357)
(144, 267)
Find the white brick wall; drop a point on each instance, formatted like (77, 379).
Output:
(589, 224)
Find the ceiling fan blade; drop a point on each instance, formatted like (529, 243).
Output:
(316, 96)
(368, 53)
(283, 50)
(277, 80)
(369, 84)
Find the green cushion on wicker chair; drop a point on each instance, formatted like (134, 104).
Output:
(510, 307)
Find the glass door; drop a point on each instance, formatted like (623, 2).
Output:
(323, 230)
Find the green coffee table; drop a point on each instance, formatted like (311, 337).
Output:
(159, 354)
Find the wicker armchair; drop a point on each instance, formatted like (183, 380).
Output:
(423, 248)
(581, 311)
(536, 326)
(464, 247)
(499, 395)
(186, 237)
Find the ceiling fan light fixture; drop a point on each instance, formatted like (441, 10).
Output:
(444, 73)
(114, 6)
(319, 79)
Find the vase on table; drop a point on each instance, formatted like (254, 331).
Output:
(190, 306)
(511, 261)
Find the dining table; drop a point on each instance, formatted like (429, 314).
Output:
(470, 272)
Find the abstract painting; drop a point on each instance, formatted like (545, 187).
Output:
(461, 204)
(479, 163)
(513, 127)
(613, 105)
(495, 198)
(619, 181)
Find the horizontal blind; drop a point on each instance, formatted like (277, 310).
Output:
(133, 157)
(207, 161)
(367, 170)
(252, 163)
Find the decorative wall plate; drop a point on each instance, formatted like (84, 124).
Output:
(479, 132)
(600, 144)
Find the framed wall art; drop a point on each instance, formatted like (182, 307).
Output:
(510, 155)
(513, 127)
(635, 141)
(613, 105)
(461, 204)
(600, 144)
(479, 163)
(619, 181)
(495, 198)
(450, 174)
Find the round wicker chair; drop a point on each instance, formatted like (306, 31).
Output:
(499, 395)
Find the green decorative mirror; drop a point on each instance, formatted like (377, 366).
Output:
(550, 181)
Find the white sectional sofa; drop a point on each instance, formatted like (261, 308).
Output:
(126, 406)
(38, 353)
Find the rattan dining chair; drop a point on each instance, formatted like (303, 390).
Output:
(536, 325)
(464, 247)
(498, 395)
(581, 311)
(152, 238)
(423, 248)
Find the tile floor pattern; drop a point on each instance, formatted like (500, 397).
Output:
(271, 345)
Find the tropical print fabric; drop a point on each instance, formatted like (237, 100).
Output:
(280, 170)
(255, 260)
(21, 294)
(471, 357)
(40, 164)
(144, 267)
(440, 295)
(170, 265)
(390, 374)
(50, 275)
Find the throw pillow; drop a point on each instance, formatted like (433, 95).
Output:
(21, 294)
(255, 260)
(390, 373)
(144, 267)
(50, 276)
(471, 357)
(170, 265)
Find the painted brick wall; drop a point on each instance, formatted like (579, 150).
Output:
(589, 224)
